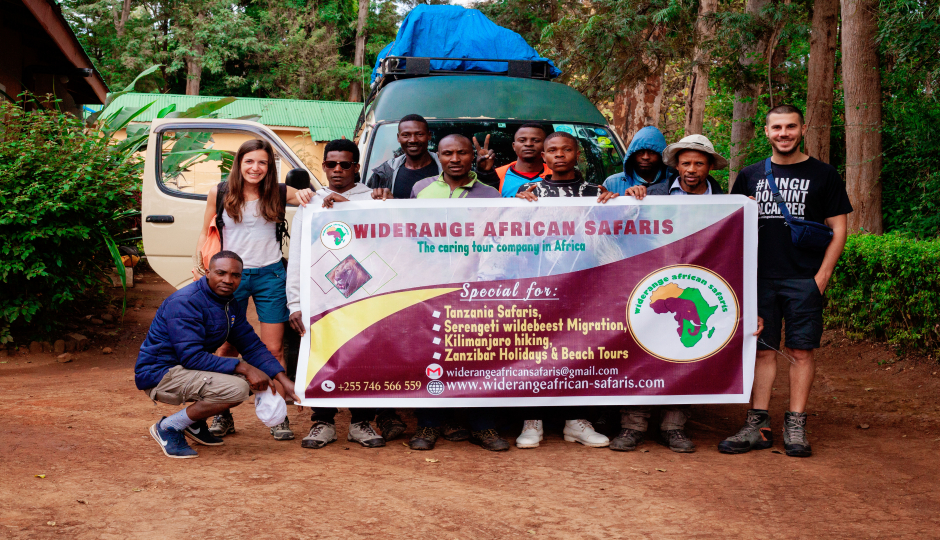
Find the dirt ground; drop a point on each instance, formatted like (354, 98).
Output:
(875, 431)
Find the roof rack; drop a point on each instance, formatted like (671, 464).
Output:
(393, 68)
(405, 66)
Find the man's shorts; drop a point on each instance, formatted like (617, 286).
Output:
(796, 301)
(267, 286)
(181, 385)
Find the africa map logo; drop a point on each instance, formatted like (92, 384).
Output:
(682, 313)
(335, 235)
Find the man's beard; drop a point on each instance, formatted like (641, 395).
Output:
(796, 148)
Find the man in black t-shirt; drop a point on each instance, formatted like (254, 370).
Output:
(790, 280)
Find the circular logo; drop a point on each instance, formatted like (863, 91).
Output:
(434, 371)
(435, 388)
(335, 235)
(328, 386)
(682, 313)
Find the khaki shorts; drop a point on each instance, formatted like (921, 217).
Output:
(181, 385)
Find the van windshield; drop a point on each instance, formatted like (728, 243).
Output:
(600, 154)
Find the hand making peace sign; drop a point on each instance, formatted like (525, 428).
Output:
(486, 158)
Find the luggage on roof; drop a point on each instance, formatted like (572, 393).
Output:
(444, 34)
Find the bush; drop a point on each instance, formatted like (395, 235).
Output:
(64, 194)
(888, 288)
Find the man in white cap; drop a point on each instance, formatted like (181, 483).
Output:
(694, 157)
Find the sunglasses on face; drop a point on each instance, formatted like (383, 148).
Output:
(346, 165)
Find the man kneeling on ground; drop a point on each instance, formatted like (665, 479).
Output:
(176, 363)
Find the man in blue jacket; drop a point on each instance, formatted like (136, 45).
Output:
(643, 165)
(176, 363)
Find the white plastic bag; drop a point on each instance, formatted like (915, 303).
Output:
(270, 407)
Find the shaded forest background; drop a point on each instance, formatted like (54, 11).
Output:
(865, 71)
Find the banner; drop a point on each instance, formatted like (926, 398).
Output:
(503, 302)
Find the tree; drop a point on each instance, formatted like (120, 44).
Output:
(745, 97)
(862, 86)
(698, 82)
(355, 89)
(819, 94)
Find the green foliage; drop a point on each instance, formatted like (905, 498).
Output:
(65, 195)
(300, 49)
(888, 288)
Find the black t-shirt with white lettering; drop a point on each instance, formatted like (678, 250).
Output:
(407, 178)
(813, 192)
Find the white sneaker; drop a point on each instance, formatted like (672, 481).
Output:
(363, 434)
(531, 434)
(583, 432)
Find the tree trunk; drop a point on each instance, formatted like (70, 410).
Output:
(862, 85)
(638, 105)
(698, 84)
(355, 89)
(822, 63)
(120, 21)
(745, 98)
(194, 70)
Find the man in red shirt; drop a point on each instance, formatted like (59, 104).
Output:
(528, 143)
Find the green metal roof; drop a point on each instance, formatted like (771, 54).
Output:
(484, 96)
(326, 120)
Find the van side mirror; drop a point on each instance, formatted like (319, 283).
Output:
(298, 178)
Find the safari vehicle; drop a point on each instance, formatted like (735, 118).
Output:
(183, 163)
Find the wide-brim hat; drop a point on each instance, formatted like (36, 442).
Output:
(699, 143)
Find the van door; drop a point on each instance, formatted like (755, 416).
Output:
(184, 159)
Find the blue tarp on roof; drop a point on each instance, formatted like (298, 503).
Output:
(457, 32)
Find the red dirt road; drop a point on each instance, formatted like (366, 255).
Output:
(84, 426)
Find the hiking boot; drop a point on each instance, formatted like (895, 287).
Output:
(222, 424)
(583, 432)
(282, 432)
(627, 440)
(454, 431)
(794, 435)
(755, 435)
(172, 442)
(490, 440)
(424, 438)
(678, 441)
(200, 433)
(321, 434)
(532, 434)
(363, 434)
(390, 425)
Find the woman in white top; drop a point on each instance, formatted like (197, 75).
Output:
(252, 224)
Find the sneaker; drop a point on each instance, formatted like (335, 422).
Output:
(424, 438)
(627, 440)
(490, 440)
(794, 435)
(172, 442)
(755, 435)
(583, 432)
(200, 433)
(363, 434)
(532, 434)
(321, 434)
(453, 431)
(282, 432)
(390, 425)
(678, 441)
(222, 424)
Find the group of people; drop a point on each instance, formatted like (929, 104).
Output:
(190, 352)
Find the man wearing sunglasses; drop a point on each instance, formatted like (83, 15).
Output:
(341, 166)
